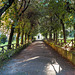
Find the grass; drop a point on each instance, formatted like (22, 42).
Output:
(6, 43)
(67, 40)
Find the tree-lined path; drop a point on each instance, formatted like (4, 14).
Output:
(38, 59)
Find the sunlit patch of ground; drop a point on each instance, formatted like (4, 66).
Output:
(37, 59)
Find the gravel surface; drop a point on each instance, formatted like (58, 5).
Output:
(38, 59)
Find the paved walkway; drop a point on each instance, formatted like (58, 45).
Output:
(38, 59)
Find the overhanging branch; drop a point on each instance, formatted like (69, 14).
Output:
(25, 8)
(6, 6)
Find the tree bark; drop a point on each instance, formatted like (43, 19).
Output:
(54, 36)
(22, 36)
(50, 36)
(25, 7)
(32, 38)
(6, 6)
(10, 37)
(25, 38)
(63, 30)
(74, 33)
(46, 36)
(28, 38)
(17, 38)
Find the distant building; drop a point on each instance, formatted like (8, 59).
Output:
(39, 37)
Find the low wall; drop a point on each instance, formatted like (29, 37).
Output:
(70, 55)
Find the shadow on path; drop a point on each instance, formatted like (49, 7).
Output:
(38, 59)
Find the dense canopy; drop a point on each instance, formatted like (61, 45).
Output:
(52, 18)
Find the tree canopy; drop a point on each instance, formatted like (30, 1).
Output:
(28, 17)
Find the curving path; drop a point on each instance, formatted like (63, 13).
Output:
(38, 59)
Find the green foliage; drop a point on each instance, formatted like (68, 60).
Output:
(41, 16)
(7, 55)
(3, 38)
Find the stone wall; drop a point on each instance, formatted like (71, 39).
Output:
(70, 55)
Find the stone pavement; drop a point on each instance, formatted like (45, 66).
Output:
(38, 59)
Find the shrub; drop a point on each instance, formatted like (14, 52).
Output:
(3, 38)
(11, 52)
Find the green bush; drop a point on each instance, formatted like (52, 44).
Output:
(3, 38)
(11, 52)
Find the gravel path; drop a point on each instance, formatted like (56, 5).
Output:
(38, 59)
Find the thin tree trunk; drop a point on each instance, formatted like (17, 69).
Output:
(6, 6)
(63, 31)
(50, 36)
(25, 38)
(74, 33)
(22, 37)
(10, 37)
(46, 36)
(32, 38)
(17, 38)
(28, 38)
(54, 36)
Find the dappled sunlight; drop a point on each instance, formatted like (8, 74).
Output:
(68, 46)
(31, 49)
(37, 42)
(46, 47)
(42, 47)
(15, 68)
(37, 59)
(30, 59)
(34, 43)
(53, 68)
(37, 37)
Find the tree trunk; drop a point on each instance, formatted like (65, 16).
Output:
(32, 38)
(6, 6)
(10, 37)
(17, 38)
(46, 36)
(54, 36)
(63, 31)
(74, 33)
(22, 37)
(50, 36)
(25, 38)
(28, 38)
